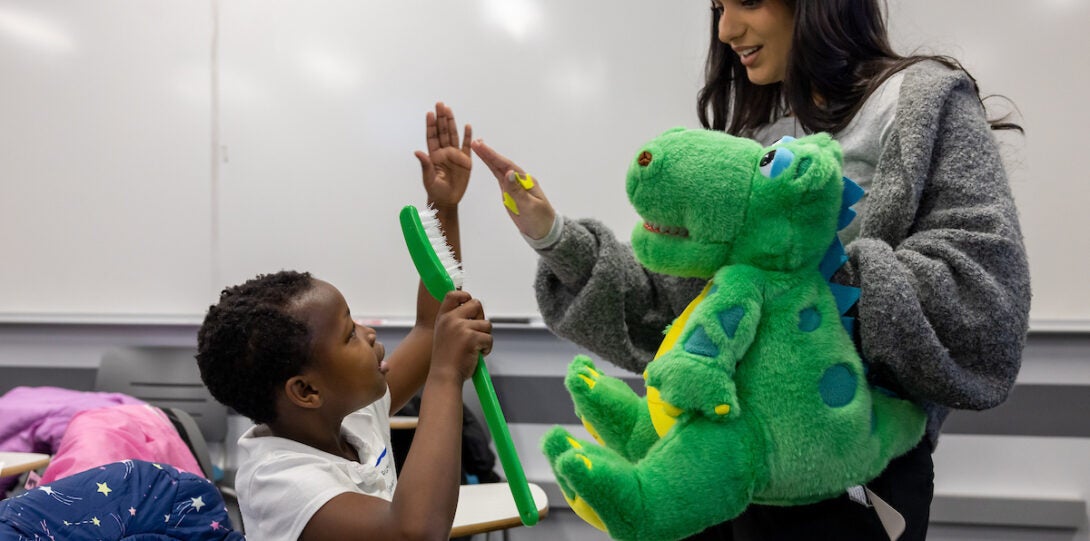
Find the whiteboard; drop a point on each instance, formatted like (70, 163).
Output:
(1035, 54)
(105, 197)
(322, 104)
(154, 152)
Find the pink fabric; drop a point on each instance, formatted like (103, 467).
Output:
(33, 419)
(104, 435)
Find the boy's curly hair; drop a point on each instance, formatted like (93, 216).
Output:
(249, 344)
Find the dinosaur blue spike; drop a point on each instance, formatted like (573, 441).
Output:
(849, 324)
(852, 192)
(845, 296)
(851, 195)
(847, 214)
(834, 259)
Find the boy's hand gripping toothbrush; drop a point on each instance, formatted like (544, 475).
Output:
(441, 273)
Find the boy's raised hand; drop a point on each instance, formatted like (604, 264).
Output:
(446, 165)
(461, 332)
(526, 203)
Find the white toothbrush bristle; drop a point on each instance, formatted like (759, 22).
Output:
(439, 244)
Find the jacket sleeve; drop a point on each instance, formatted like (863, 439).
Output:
(940, 259)
(592, 291)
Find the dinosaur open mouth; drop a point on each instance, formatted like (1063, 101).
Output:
(673, 231)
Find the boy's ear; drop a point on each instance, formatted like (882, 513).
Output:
(299, 391)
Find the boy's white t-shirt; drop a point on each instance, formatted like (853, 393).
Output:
(281, 483)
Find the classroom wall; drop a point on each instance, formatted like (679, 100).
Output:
(135, 134)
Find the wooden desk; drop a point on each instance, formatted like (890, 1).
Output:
(489, 506)
(18, 463)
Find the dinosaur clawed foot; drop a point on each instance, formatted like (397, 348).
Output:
(599, 484)
(608, 407)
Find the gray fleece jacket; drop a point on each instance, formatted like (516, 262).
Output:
(939, 259)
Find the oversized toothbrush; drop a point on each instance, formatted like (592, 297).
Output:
(441, 273)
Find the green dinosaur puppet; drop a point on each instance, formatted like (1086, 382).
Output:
(757, 394)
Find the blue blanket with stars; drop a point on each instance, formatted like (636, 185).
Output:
(128, 500)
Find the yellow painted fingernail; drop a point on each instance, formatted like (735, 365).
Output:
(526, 181)
(510, 203)
(722, 409)
(590, 382)
(575, 444)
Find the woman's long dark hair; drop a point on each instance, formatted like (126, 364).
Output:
(840, 51)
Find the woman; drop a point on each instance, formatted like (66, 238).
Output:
(936, 249)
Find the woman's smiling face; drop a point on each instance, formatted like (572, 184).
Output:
(760, 32)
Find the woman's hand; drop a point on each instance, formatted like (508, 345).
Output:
(526, 203)
(445, 166)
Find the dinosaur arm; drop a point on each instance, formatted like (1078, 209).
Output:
(697, 374)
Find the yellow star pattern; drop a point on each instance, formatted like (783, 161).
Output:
(95, 521)
(104, 489)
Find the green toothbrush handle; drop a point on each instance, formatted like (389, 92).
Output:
(497, 425)
(433, 274)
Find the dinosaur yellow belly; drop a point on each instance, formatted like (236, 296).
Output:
(663, 414)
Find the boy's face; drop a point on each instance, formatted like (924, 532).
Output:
(347, 360)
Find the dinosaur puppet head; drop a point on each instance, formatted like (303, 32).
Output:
(709, 199)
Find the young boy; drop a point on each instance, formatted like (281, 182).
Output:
(283, 350)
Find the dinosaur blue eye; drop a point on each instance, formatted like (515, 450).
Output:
(776, 161)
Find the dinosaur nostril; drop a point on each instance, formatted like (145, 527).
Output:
(645, 158)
